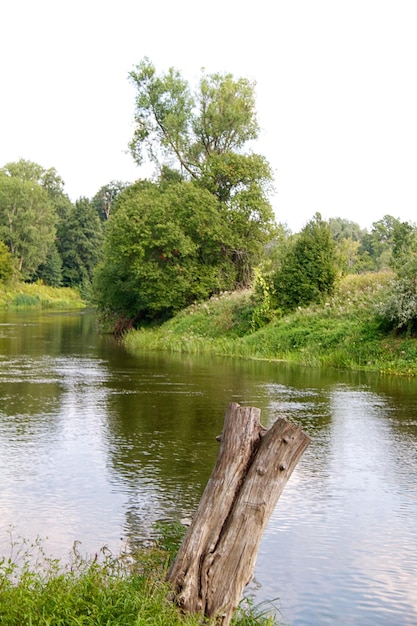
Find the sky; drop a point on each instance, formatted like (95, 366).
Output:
(336, 92)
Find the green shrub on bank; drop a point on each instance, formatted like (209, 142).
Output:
(345, 331)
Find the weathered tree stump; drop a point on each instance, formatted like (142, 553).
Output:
(217, 556)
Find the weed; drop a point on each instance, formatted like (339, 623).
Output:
(102, 590)
(344, 332)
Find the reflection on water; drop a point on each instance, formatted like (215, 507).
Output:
(96, 445)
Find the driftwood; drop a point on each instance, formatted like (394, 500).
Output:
(217, 556)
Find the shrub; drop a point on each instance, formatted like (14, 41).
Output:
(309, 271)
(400, 309)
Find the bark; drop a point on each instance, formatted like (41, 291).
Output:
(217, 557)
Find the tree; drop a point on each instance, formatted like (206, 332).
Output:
(79, 243)
(309, 271)
(46, 265)
(50, 271)
(388, 240)
(27, 221)
(106, 196)
(163, 250)
(204, 136)
(345, 229)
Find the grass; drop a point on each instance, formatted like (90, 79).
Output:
(35, 295)
(104, 590)
(344, 332)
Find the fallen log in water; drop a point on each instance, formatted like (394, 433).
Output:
(217, 556)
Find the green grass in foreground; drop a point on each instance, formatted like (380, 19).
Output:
(127, 590)
(37, 296)
(344, 332)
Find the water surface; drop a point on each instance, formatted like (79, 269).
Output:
(96, 445)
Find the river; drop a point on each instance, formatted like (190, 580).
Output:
(97, 445)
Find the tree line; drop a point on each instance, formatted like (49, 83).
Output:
(203, 224)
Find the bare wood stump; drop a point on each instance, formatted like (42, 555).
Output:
(217, 556)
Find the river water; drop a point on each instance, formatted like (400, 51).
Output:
(97, 445)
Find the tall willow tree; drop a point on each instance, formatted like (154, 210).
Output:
(205, 135)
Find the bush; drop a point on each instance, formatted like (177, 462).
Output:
(309, 271)
(400, 310)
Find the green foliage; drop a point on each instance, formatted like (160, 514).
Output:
(174, 123)
(388, 240)
(264, 311)
(24, 300)
(202, 227)
(344, 332)
(105, 589)
(27, 222)
(308, 271)
(79, 242)
(345, 229)
(105, 197)
(6, 263)
(32, 203)
(165, 247)
(50, 272)
(399, 311)
(204, 135)
(18, 294)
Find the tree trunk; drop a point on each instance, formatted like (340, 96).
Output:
(217, 557)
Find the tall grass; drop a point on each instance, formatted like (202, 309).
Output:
(344, 332)
(102, 590)
(35, 295)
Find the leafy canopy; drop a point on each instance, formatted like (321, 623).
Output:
(204, 136)
(187, 128)
(27, 221)
(202, 225)
(163, 250)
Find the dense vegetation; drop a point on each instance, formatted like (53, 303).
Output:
(193, 260)
(203, 225)
(349, 330)
(20, 295)
(102, 590)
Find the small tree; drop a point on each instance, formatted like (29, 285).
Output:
(79, 244)
(50, 272)
(308, 272)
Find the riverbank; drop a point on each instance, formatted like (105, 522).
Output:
(345, 332)
(102, 589)
(21, 295)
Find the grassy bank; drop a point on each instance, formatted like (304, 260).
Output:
(105, 590)
(344, 332)
(35, 295)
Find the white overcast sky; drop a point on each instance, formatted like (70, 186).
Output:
(336, 91)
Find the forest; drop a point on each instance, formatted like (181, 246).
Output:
(201, 226)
